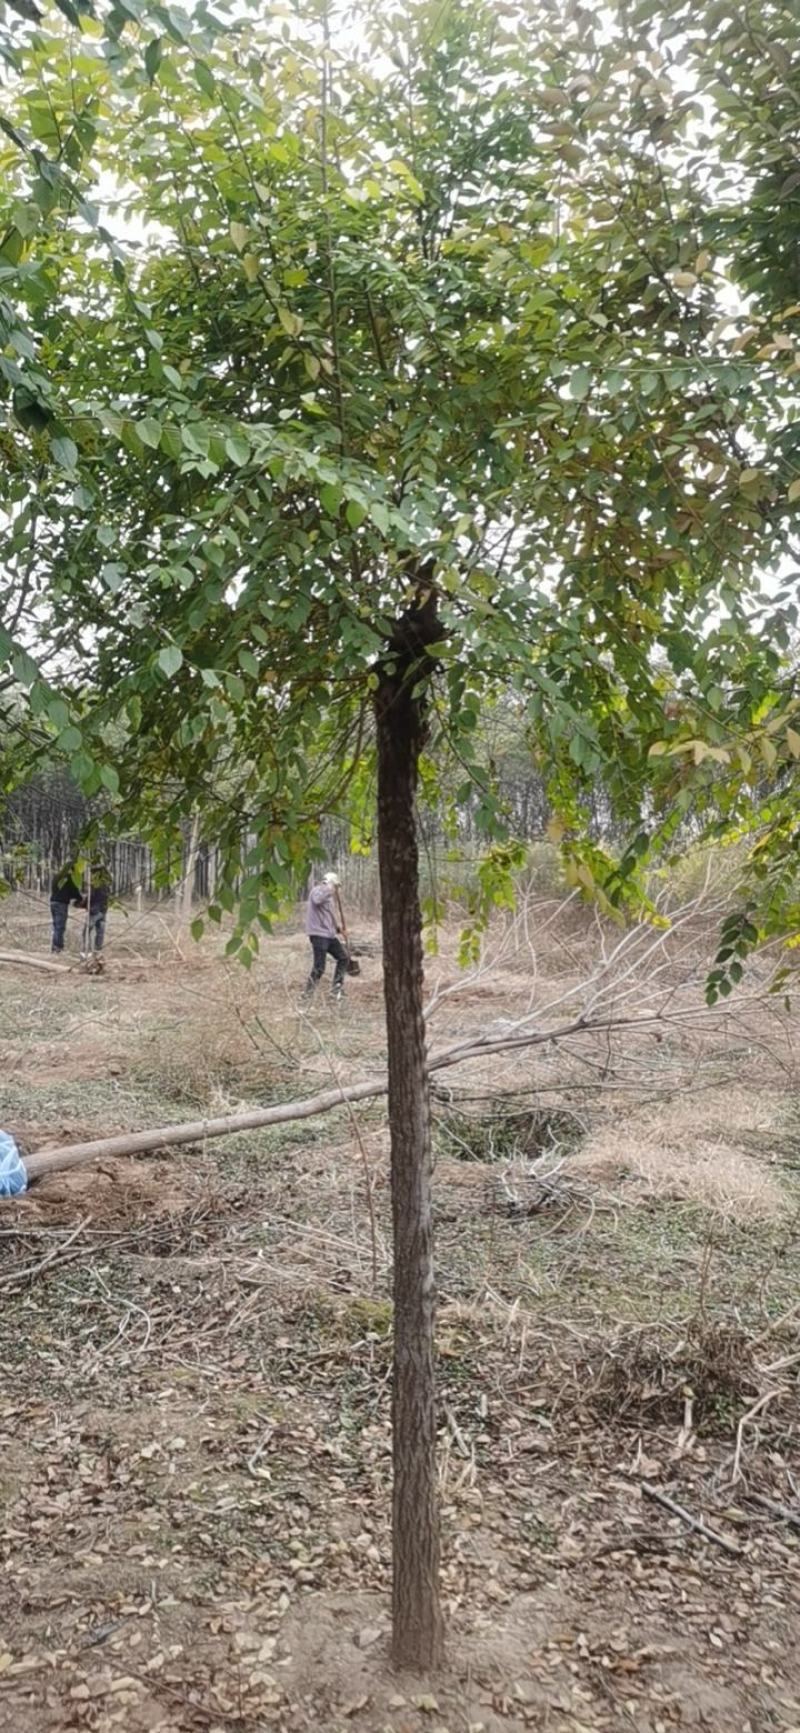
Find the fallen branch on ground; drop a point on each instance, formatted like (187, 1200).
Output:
(197, 1130)
(775, 1509)
(692, 1521)
(35, 962)
(517, 1037)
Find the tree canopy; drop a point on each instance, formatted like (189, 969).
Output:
(374, 290)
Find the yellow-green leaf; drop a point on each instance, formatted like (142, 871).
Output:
(291, 322)
(397, 167)
(793, 742)
(240, 235)
(767, 751)
(793, 490)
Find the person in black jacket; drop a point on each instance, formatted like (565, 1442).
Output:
(96, 897)
(63, 891)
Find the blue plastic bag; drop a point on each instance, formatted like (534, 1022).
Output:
(13, 1178)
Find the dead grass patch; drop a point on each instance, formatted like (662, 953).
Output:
(672, 1152)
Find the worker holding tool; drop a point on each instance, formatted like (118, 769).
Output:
(65, 889)
(96, 898)
(326, 929)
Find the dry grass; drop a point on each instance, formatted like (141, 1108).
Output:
(654, 1159)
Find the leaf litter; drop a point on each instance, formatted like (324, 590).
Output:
(196, 1459)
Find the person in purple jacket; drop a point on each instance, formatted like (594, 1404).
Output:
(324, 925)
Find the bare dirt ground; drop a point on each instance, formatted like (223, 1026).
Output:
(194, 1410)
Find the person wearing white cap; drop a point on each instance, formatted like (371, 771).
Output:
(324, 925)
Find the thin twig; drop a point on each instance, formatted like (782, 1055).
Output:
(692, 1521)
(751, 1414)
(460, 1441)
(55, 1254)
(770, 1504)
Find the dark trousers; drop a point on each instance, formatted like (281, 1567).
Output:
(59, 912)
(94, 932)
(321, 949)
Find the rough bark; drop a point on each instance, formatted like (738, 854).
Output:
(416, 1608)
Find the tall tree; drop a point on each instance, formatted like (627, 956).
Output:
(393, 386)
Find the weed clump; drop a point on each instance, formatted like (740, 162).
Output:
(642, 1380)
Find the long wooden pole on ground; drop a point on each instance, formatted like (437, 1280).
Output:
(196, 1131)
(34, 962)
(51, 1160)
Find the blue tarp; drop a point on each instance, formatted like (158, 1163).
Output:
(13, 1178)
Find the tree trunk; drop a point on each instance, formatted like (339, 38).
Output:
(186, 888)
(416, 1610)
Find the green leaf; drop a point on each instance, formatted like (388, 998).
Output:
(113, 575)
(130, 439)
(149, 431)
(24, 668)
(248, 664)
(580, 381)
(154, 338)
(109, 778)
(26, 218)
(240, 234)
(171, 443)
(355, 513)
(152, 57)
(58, 712)
(197, 928)
(170, 659)
(195, 439)
(69, 740)
(404, 173)
(331, 499)
(205, 78)
(238, 448)
(82, 767)
(13, 247)
(65, 452)
(291, 322)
